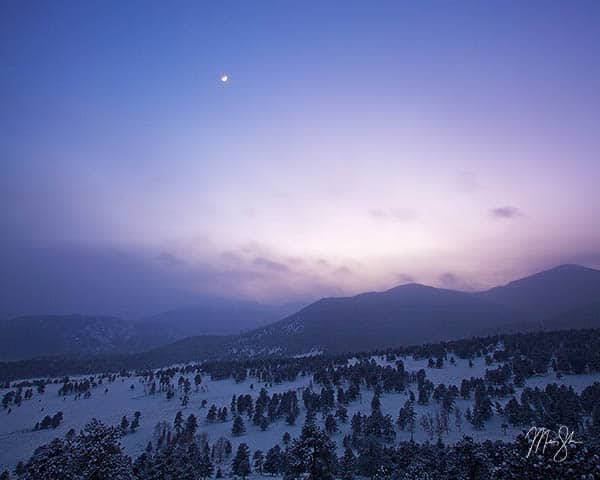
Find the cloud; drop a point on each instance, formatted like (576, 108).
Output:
(69, 279)
(169, 258)
(449, 280)
(270, 264)
(505, 212)
(323, 263)
(455, 282)
(378, 214)
(406, 278)
(343, 270)
(232, 258)
(397, 214)
(134, 283)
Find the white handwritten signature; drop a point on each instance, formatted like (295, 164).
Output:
(542, 437)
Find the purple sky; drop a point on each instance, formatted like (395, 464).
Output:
(356, 146)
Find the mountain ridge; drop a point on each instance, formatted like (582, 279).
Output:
(503, 309)
(410, 314)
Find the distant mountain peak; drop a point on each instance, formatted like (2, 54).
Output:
(570, 267)
(550, 292)
(410, 286)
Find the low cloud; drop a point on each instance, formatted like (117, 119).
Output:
(453, 281)
(169, 259)
(343, 270)
(406, 278)
(505, 212)
(270, 264)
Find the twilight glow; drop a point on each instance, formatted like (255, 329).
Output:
(349, 146)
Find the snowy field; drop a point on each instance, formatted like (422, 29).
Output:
(18, 439)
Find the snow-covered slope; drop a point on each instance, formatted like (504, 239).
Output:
(127, 395)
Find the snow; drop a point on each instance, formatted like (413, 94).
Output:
(18, 440)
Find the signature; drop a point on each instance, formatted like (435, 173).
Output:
(542, 437)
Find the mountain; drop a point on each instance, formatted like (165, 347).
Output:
(567, 296)
(187, 349)
(550, 293)
(47, 335)
(37, 335)
(582, 317)
(408, 314)
(192, 348)
(217, 317)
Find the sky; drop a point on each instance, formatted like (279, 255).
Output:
(355, 146)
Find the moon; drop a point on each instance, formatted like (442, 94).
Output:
(224, 78)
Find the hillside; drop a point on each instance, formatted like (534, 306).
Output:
(563, 297)
(549, 293)
(216, 317)
(407, 314)
(48, 335)
(39, 335)
(467, 374)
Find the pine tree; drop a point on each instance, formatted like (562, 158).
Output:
(94, 453)
(406, 415)
(259, 460)
(264, 423)
(457, 418)
(468, 462)
(240, 465)
(205, 466)
(370, 458)
(469, 415)
(423, 395)
(178, 423)
(238, 427)
(341, 414)
(211, 416)
(290, 418)
(191, 425)
(20, 469)
(124, 424)
(595, 416)
(223, 414)
(135, 423)
(313, 453)
(330, 424)
(273, 461)
(347, 465)
(356, 427)
(57, 419)
(233, 405)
